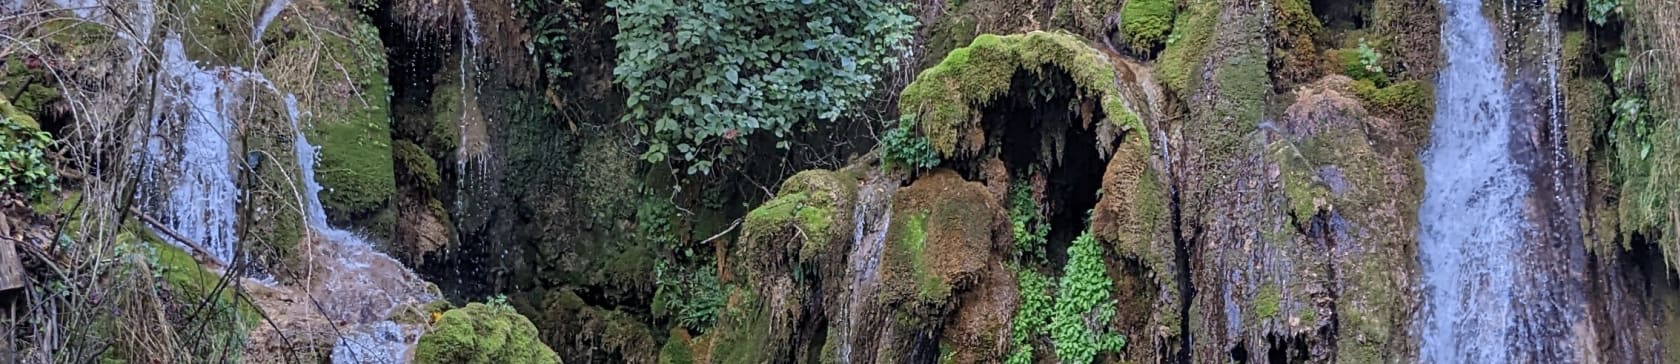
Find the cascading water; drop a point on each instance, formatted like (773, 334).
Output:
(191, 186)
(189, 167)
(360, 285)
(1473, 219)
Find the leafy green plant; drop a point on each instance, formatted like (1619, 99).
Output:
(23, 163)
(702, 77)
(1084, 308)
(499, 302)
(691, 299)
(1369, 58)
(550, 24)
(1598, 11)
(902, 146)
(1031, 317)
(1030, 231)
(1633, 125)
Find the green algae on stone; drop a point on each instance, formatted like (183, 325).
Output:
(1306, 194)
(480, 333)
(948, 96)
(939, 239)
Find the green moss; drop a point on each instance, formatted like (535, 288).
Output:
(480, 333)
(413, 165)
(1587, 106)
(948, 34)
(1411, 101)
(677, 350)
(809, 203)
(351, 123)
(1191, 33)
(744, 334)
(947, 96)
(1266, 302)
(1346, 61)
(1301, 187)
(911, 241)
(26, 92)
(1574, 51)
(1147, 22)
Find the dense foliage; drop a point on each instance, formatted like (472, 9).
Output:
(23, 163)
(703, 76)
(1030, 230)
(1083, 307)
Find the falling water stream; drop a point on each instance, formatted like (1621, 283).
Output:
(190, 169)
(1479, 219)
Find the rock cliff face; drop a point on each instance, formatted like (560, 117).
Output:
(1107, 181)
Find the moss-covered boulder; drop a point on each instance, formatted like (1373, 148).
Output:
(480, 333)
(940, 238)
(948, 98)
(810, 214)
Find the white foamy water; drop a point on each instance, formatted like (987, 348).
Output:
(872, 216)
(359, 285)
(1471, 218)
(189, 170)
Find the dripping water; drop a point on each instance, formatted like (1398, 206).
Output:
(872, 215)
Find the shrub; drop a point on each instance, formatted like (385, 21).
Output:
(703, 76)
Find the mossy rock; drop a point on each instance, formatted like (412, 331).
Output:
(480, 333)
(813, 209)
(1411, 102)
(1187, 45)
(948, 97)
(339, 79)
(940, 239)
(1147, 23)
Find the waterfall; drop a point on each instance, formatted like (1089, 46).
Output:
(1471, 218)
(360, 285)
(268, 14)
(189, 167)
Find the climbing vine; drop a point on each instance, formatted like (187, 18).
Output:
(704, 76)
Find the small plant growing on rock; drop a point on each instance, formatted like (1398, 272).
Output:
(901, 146)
